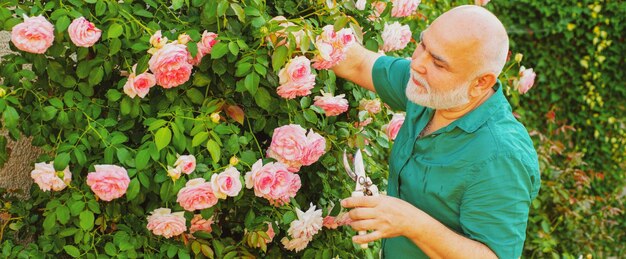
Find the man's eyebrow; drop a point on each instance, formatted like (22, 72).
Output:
(435, 56)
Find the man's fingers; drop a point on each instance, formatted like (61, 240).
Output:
(364, 201)
(362, 213)
(367, 224)
(369, 237)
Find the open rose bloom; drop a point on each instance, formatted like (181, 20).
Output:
(139, 85)
(292, 146)
(394, 125)
(273, 182)
(197, 195)
(526, 80)
(108, 182)
(200, 224)
(205, 46)
(83, 33)
(170, 66)
(164, 223)
(186, 164)
(403, 8)
(226, 183)
(48, 179)
(332, 105)
(296, 78)
(332, 46)
(395, 37)
(302, 229)
(34, 35)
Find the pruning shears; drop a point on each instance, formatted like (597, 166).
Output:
(364, 185)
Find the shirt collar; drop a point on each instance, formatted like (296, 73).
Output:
(471, 121)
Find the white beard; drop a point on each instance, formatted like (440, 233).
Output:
(434, 99)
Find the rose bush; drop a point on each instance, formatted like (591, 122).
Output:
(245, 99)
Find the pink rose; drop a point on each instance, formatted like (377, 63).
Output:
(83, 33)
(302, 229)
(209, 39)
(526, 80)
(481, 2)
(139, 85)
(394, 126)
(273, 182)
(288, 145)
(378, 8)
(196, 195)
(108, 182)
(169, 65)
(360, 4)
(332, 46)
(164, 223)
(329, 222)
(403, 8)
(395, 36)
(47, 178)
(200, 224)
(279, 38)
(226, 183)
(296, 78)
(332, 105)
(157, 40)
(315, 148)
(343, 219)
(34, 35)
(371, 106)
(186, 164)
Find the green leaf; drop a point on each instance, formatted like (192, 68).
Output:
(114, 46)
(133, 189)
(80, 156)
(110, 249)
(62, 23)
(95, 76)
(48, 113)
(199, 138)
(195, 95)
(219, 50)
(263, 98)
(340, 22)
(71, 250)
(142, 64)
(233, 47)
(142, 159)
(163, 137)
(49, 222)
(61, 161)
(11, 117)
(101, 7)
(83, 69)
(63, 214)
(214, 150)
(177, 4)
(86, 220)
(76, 207)
(251, 83)
(125, 106)
(239, 12)
(288, 217)
(279, 57)
(114, 31)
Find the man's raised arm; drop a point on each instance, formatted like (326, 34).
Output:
(357, 67)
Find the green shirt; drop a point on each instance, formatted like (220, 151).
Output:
(477, 175)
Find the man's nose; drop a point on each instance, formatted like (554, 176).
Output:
(417, 63)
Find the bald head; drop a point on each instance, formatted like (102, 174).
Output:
(479, 33)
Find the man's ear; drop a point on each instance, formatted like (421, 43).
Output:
(483, 83)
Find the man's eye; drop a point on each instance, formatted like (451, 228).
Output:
(438, 65)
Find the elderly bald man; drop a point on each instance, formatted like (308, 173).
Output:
(463, 170)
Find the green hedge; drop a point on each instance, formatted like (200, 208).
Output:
(577, 50)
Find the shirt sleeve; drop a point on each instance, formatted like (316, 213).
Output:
(390, 76)
(494, 208)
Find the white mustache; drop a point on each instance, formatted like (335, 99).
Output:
(420, 80)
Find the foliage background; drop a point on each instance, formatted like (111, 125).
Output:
(72, 104)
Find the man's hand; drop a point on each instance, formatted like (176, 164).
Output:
(386, 216)
(389, 217)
